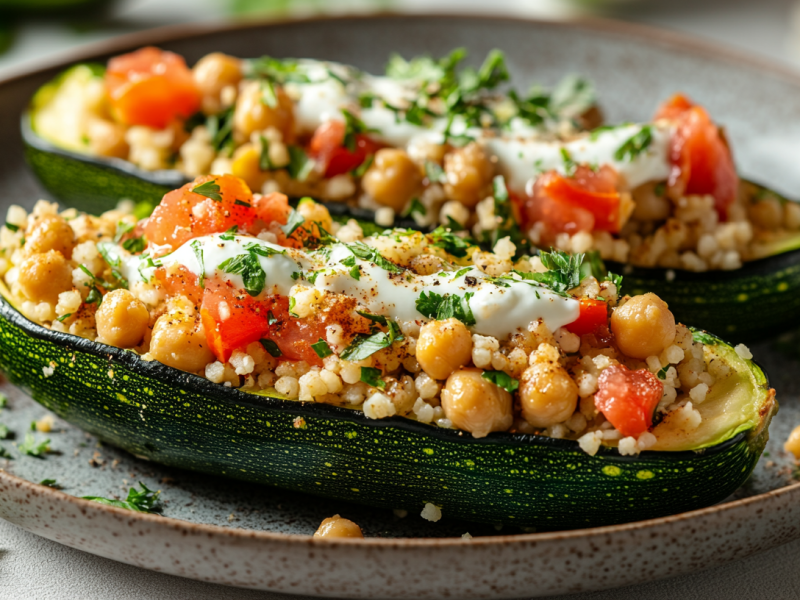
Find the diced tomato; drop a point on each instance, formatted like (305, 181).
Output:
(586, 201)
(628, 398)
(593, 318)
(184, 214)
(295, 336)
(151, 87)
(327, 148)
(701, 159)
(180, 282)
(273, 208)
(232, 318)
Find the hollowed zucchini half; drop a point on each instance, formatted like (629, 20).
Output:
(183, 420)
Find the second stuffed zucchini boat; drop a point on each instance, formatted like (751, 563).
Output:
(230, 334)
(433, 143)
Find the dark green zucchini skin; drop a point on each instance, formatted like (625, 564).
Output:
(760, 299)
(182, 420)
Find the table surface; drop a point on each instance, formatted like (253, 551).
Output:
(35, 568)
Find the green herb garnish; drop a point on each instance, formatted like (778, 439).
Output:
(143, 500)
(702, 337)
(501, 379)
(449, 242)
(51, 483)
(372, 377)
(447, 306)
(209, 189)
(415, 207)
(31, 447)
(300, 165)
(198, 252)
(230, 234)
(271, 347)
(12, 227)
(365, 252)
(635, 145)
(321, 348)
(295, 221)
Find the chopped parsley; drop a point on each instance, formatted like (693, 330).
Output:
(271, 318)
(271, 346)
(220, 128)
(434, 172)
(95, 296)
(616, 280)
(440, 307)
(593, 266)
(365, 252)
(321, 348)
(143, 500)
(249, 267)
(362, 168)
(264, 162)
(12, 227)
(33, 448)
(3, 400)
(353, 127)
(372, 377)
(3, 431)
(4, 453)
(276, 70)
(449, 242)
(123, 228)
(300, 164)
(209, 189)
(295, 220)
(416, 207)
(507, 224)
(662, 373)
(198, 252)
(292, 303)
(635, 145)
(355, 270)
(569, 164)
(501, 379)
(563, 274)
(364, 346)
(51, 483)
(114, 263)
(230, 234)
(571, 97)
(63, 318)
(702, 337)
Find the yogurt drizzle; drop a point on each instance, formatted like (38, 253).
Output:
(498, 310)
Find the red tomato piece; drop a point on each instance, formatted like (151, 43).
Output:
(593, 318)
(295, 336)
(701, 159)
(628, 398)
(591, 191)
(151, 87)
(232, 318)
(184, 214)
(327, 148)
(181, 282)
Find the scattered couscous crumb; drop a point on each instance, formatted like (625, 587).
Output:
(793, 443)
(744, 352)
(48, 371)
(431, 512)
(466, 536)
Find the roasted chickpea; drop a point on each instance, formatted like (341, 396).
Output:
(338, 527)
(547, 394)
(766, 213)
(314, 212)
(42, 277)
(252, 114)
(50, 232)
(392, 179)
(212, 74)
(121, 319)
(443, 347)
(793, 443)
(476, 405)
(469, 174)
(643, 326)
(179, 341)
(648, 205)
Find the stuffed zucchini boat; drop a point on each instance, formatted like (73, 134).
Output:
(231, 334)
(434, 144)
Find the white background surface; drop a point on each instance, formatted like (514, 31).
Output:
(36, 568)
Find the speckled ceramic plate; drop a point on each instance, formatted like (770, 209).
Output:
(250, 536)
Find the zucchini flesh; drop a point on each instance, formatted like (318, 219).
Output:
(182, 420)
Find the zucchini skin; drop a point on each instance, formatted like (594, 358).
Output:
(182, 420)
(760, 299)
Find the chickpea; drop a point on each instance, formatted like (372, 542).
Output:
(793, 443)
(42, 277)
(252, 114)
(643, 326)
(766, 213)
(212, 74)
(469, 174)
(443, 347)
(50, 232)
(179, 341)
(392, 179)
(547, 394)
(648, 205)
(121, 319)
(106, 138)
(476, 405)
(313, 212)
(338, 527)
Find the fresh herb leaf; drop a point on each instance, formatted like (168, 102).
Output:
(230, 234)
(271, 318)
(364, 346)
(3, 431)
(280, 71)
(295, 221)
(616, 280)
(449, 242)
(355, 269)
(122, 229)
(593, 266)
(372, 377)
(249, 267)
(51, 483)
(416, 207)
(501, 379)
(31, 447)
(3, 400)
(115, 263)
(359, 171)
(701, 337)
(198, 252)
(353, 127)
(365, 252)
(95, 296)
(300, 164)
(143, 500)
(63, 318)
(635, 145)
(321, 348)
(447, 306)
(264, 162)
(135, 245)
(238, 202)
(220, 128)
(292, 303)
(268, 94)
(209, 189)
(4, 453)
(374, 318)
(662, 373)
(569, 164)
(660, 189)
(563, 274)
(271, 347)
(12, 227)
(434, 172)
(572, 97)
